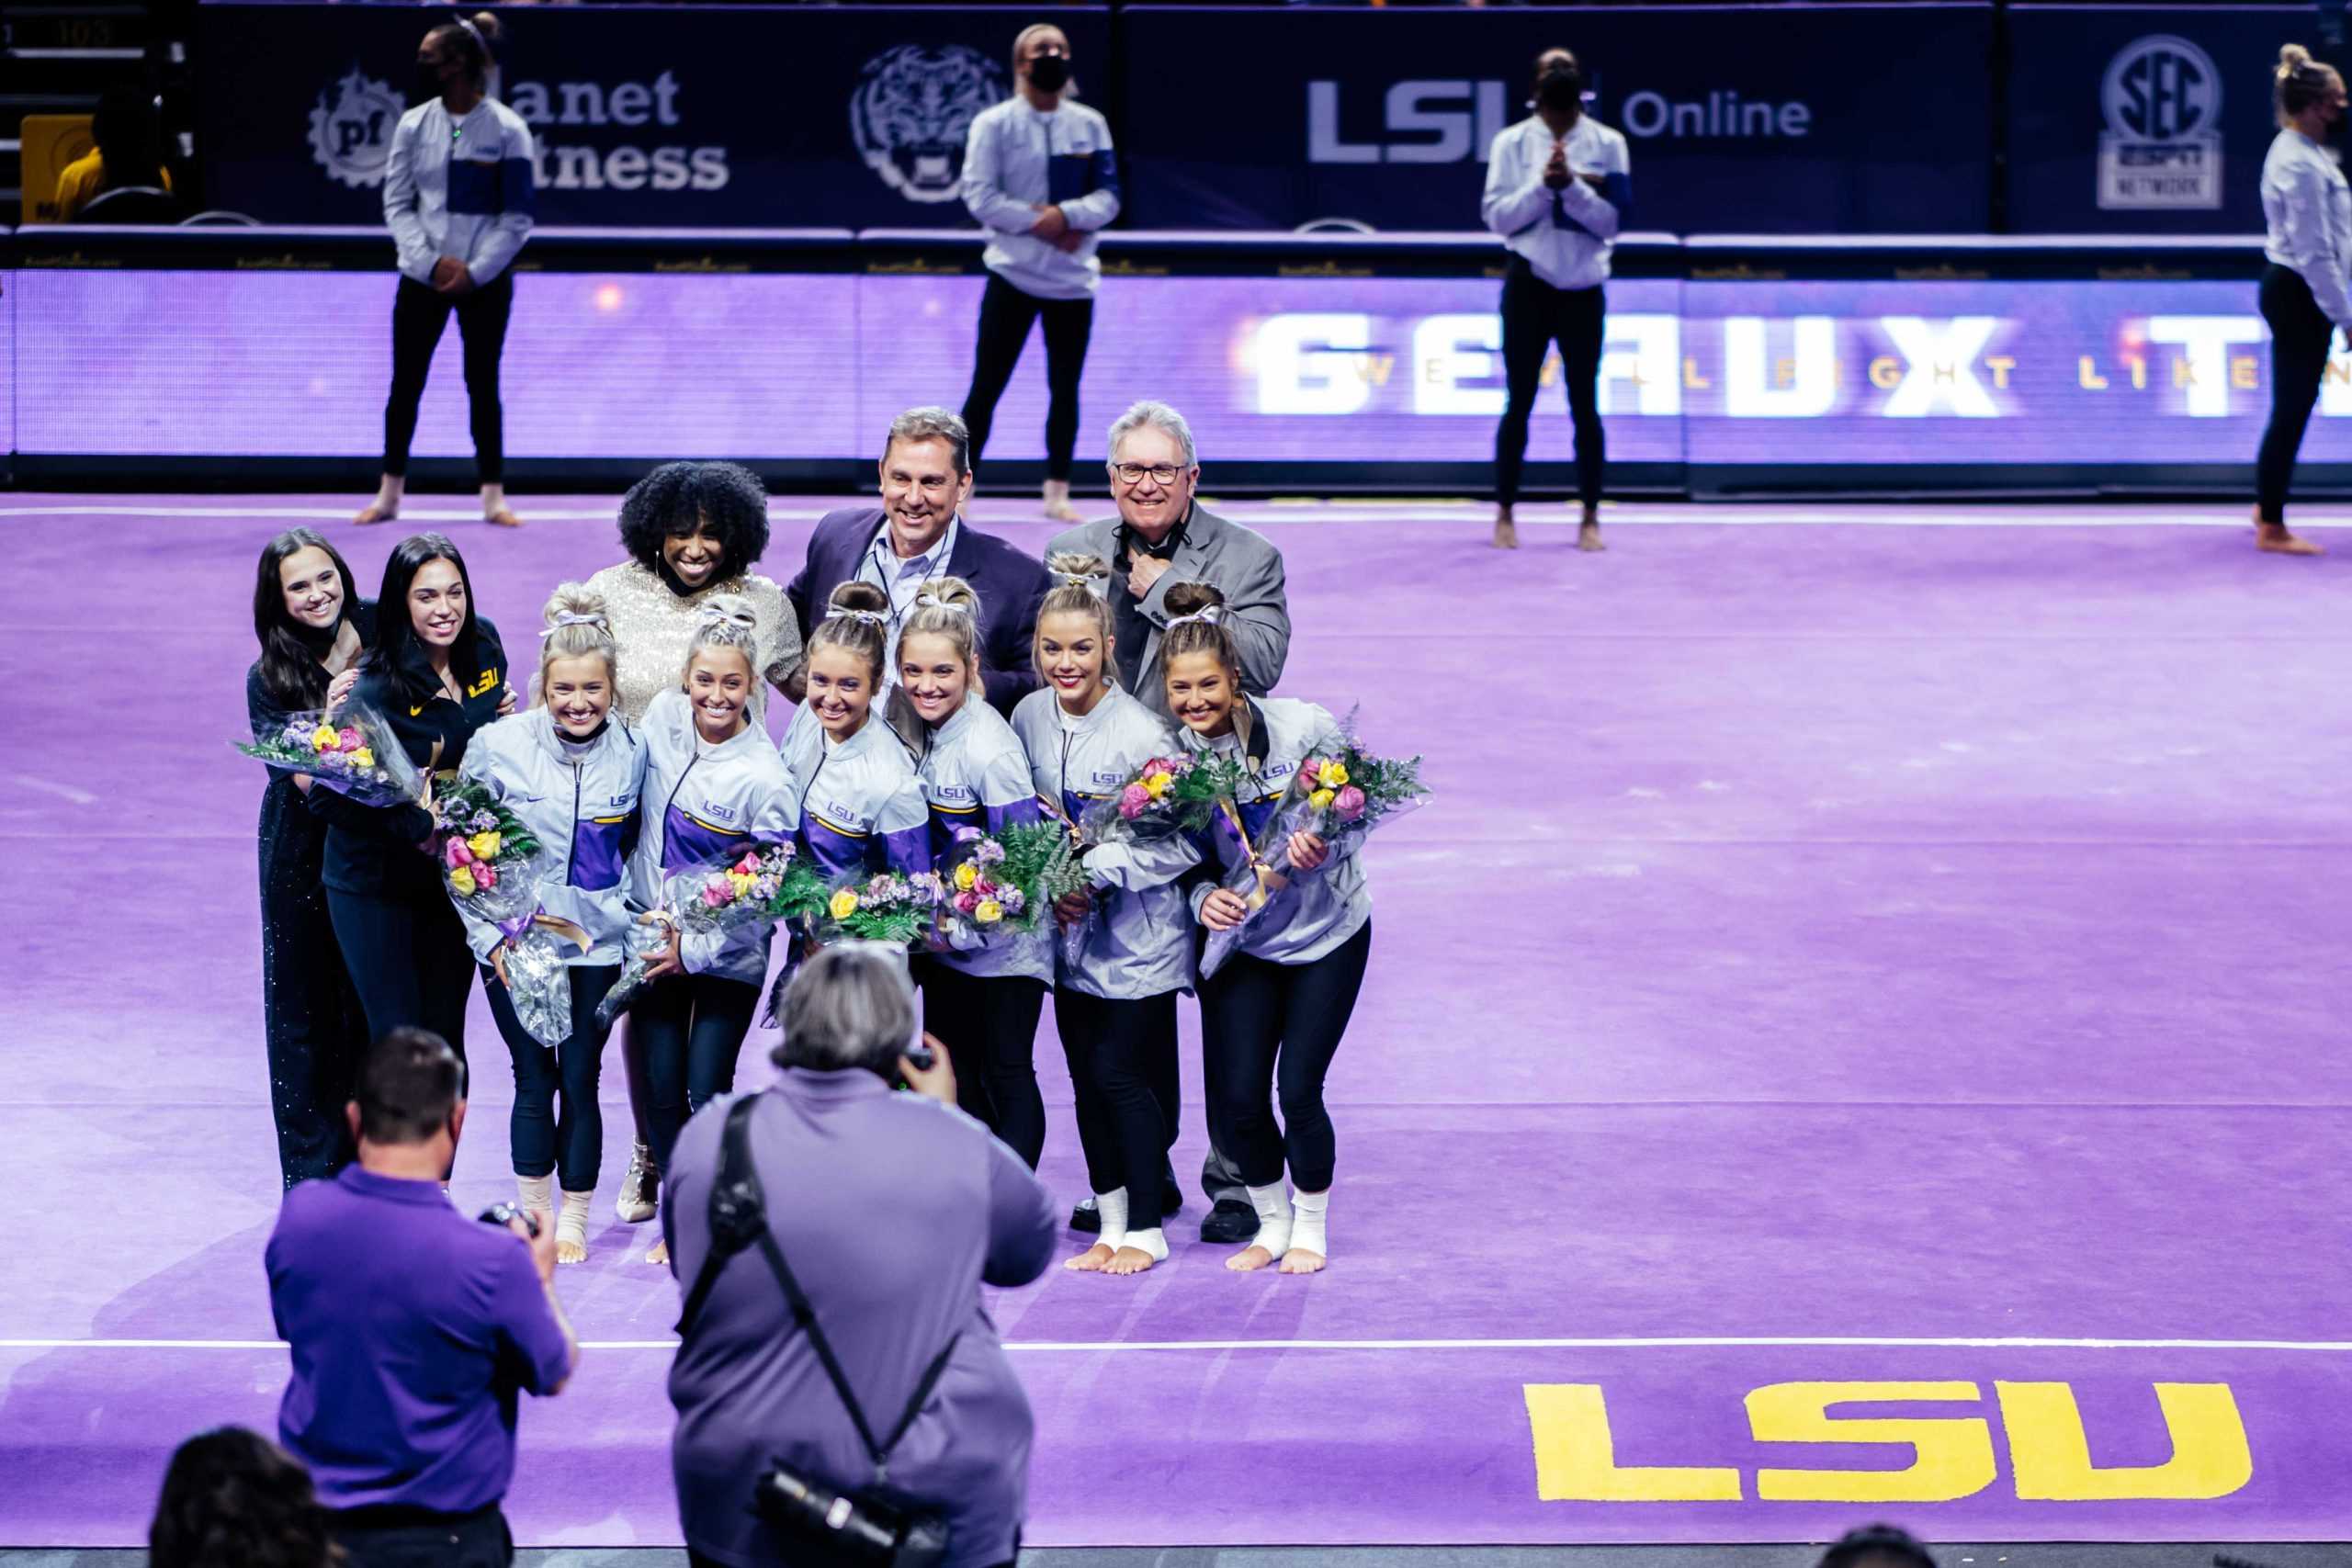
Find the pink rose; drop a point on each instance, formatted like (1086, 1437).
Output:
(455, 852)
(1308, 767)
(968, 901)
(715, 892)
(1347, 803)
(749, 865)
(1131, 801)
(485, 876)
(350, 739)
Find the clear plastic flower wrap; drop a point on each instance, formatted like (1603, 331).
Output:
(766, 881)
(1004, 885)
(350, 750)
(1339, 793)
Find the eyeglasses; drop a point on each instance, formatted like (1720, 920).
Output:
(1133, 473)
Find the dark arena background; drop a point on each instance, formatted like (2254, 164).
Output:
(1859, 1031)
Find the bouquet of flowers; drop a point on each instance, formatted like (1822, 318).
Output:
(1339, 793)
(351, 751)
(1165, 796)
(1005, 883)
(493, 868)
(765, 882)
(886, 907)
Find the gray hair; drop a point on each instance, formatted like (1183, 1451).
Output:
(932, 423)
(850, 1006)
(1160, 417)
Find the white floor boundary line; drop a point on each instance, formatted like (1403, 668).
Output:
(1765, 1342)
(1956, 513)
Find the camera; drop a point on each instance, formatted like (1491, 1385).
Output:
(840, 1529)
(504, 1214)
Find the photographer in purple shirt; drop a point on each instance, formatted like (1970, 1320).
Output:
(414, 1328)
(891, 1210)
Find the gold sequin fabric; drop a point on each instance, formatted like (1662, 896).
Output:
(651, 626)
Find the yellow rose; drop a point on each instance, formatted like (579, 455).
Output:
(967, 875)
(1156, 784)
(364, 758)
(742, 881)
(1320, 799)
(484, 845)
(1333, 775)
(988, 912)
(844, 904)
(462, 880)
(325, 737)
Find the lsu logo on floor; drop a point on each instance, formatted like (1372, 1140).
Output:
(1953, 1456)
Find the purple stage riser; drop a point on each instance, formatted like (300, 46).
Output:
(804, 367)
(1439, 1444)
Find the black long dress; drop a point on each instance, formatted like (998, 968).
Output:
(310, 1018)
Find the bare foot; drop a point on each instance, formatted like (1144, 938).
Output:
(503, 517)
(1588, 539)
(2275, 539)
(1248, 1260)
(1298, 1260)
(570, 1251)
(1063, 512)
(1128, 1260)
(1506, 533)
(660, 1255)
(378, 510)
(1093, 1260)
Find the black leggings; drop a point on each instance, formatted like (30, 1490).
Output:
(2301, 334)
(989, 1026)
(1536, 315)
(408, 962)
(689, 1028)
(1128, 1109)
(569, 1142)
(420, 314)
(1268, 1024)
(1005, 315)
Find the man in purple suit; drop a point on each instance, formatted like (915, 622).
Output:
(917, 535)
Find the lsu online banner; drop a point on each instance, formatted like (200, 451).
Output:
(684, 116)
(1370, 371)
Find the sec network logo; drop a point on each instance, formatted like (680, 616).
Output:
(351, 129)
(2161, 148)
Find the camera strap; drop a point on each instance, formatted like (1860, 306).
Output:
(738, 1221)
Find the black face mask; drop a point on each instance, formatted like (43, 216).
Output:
(1049, 73)
(426, 86)
(1560, 90)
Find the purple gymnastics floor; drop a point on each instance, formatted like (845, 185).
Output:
(1886, 959)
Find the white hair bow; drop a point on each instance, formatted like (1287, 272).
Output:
(716, 614)
(567, 618)
(872, 618)
(933, 602)
(1212, 615)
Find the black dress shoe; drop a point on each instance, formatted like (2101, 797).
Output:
(1086, 1217)
(1229, 1222)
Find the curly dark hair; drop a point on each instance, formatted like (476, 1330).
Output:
(234, 1499)
(727, 497)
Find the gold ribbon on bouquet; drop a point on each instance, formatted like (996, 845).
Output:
(1269, 881)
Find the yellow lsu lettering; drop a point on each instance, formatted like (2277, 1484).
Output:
(1576, 1457)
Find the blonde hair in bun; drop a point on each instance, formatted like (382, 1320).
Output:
(576, 628)
(2299, 82)
(725, 620)
(857, 617)
(1073, 593)
(948, 608)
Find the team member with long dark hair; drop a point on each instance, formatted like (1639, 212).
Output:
(1114, 999)
(2308, 209)
(572, 774)
(713, 784)
(1040, 176)
(862, 807)
(1274, 1012)
(693, 531)
(458, 196)
(312, 626)
(1558, 187)
(437, 673)
(984, 1004)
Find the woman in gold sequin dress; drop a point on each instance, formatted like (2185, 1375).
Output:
(692, 532)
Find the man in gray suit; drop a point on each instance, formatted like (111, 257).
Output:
(1161, 538)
